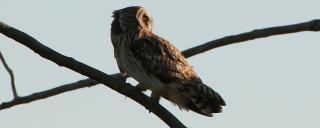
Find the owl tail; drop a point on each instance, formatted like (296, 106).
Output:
(205, 101)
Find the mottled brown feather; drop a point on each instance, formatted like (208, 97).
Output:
(162, 59)
(157, 64)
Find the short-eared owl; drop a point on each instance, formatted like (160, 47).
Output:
(158, 65)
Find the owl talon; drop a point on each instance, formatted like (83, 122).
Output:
(140, 88)
(155, 97)
(123, 77)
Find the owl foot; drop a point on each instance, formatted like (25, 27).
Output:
(155, 97)
(123, 77)
(140, 87)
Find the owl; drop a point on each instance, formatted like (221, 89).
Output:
(157, 65)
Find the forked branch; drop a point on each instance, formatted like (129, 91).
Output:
(126, 89)
(6, 66)
(108, 80)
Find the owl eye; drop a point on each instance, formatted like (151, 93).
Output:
(145, 17)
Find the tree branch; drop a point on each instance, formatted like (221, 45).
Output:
(13, 87)
(260, 33)
(48, 93)
(110, 81)
(313, 25)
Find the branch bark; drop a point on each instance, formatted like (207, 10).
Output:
(48, 93)
(108, 80)
(313, 25)
(6, 66)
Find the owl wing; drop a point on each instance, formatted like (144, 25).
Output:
(162, 59)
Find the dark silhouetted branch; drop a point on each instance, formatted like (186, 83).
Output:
(313, 25)
(307, 26)
(13, 87)
(48, 93)
(22, 37)
(108, 80)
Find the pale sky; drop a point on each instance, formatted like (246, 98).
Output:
(270, 82)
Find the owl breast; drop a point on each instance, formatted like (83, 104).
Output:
(132, 66)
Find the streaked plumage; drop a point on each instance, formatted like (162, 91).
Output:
(158, 65)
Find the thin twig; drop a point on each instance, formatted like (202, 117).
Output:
(313, 25)
(110, 81)
(6, 66)
(48, 93)
(52, 92)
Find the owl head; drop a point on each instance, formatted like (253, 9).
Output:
(134, 17)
